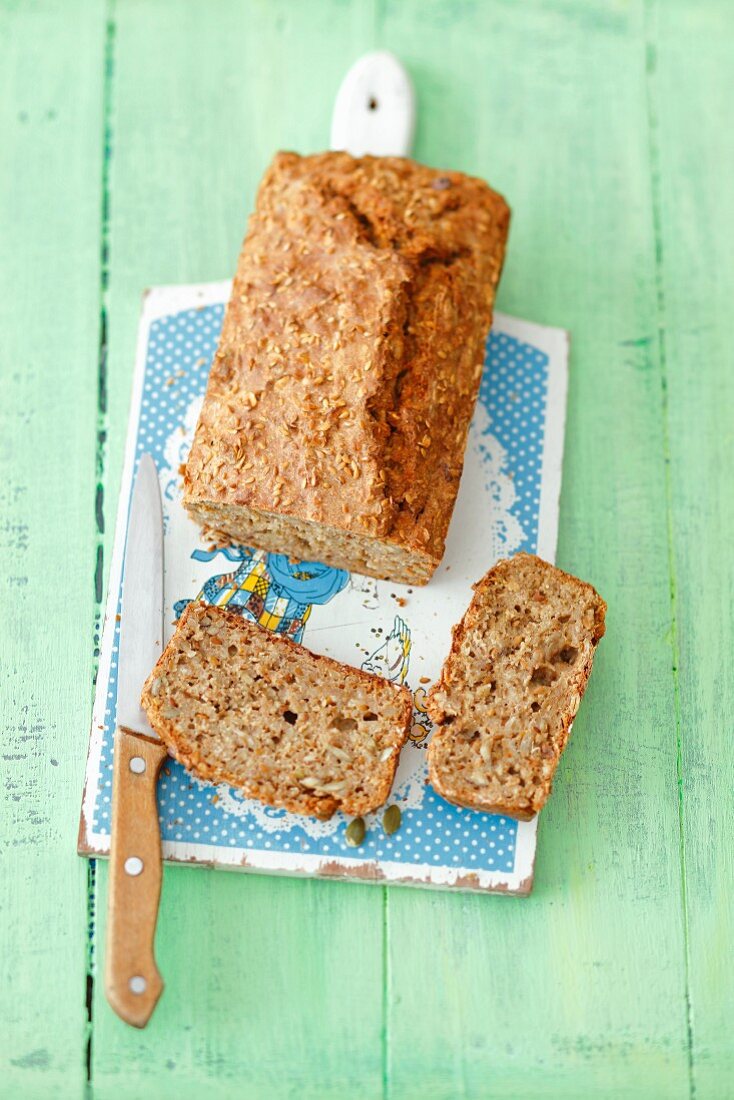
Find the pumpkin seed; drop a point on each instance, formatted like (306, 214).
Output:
(355, 833)
(391, 819)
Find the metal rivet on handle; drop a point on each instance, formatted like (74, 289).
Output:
(138, 984)
(133, 865)
(137, 765)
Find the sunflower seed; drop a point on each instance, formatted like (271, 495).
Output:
(335, 786)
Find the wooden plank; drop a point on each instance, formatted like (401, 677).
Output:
(50, 135)
(267, 994)
(691, 94)
(273, 987)
(579, 991)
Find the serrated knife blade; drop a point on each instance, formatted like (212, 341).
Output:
(141, 618)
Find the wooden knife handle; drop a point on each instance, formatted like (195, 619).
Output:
(132, 981)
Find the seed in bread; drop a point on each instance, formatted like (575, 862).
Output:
(511, 686)
(238, 704)
(336, 415)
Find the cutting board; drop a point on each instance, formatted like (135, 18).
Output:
(508, 501)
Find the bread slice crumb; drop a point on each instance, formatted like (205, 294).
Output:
(238, 704)
(511, 686)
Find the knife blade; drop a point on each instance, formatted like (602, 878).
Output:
(141, 618)
(133, 982)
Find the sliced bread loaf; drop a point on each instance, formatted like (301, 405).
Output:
(336, 416)
(238, 704)
(511, 685)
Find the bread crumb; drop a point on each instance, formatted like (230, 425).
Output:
(274, 720)
(519, 663)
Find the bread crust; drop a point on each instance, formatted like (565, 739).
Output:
(330, 671)
(349, 361)
(452, 785)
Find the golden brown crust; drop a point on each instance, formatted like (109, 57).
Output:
(451, 774)
(351, 352)
(261, 774)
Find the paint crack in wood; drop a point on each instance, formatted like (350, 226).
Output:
(99, 496)
(655, 184)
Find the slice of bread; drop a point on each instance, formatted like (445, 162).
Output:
(238, 704)
(511, 686)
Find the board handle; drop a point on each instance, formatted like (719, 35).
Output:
(133, 982)
(374, 110)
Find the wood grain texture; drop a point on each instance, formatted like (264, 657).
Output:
(50, 130)
(692, 147)
(607, 126)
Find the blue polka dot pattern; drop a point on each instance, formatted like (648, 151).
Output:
(514, 392)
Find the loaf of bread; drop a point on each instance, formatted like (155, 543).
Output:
(336, 415)
(511, 685)
(238, 704)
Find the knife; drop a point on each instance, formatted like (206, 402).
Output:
(132, 981)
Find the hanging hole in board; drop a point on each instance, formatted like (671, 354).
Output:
(137, 765)
(137, 984)
(133, 865)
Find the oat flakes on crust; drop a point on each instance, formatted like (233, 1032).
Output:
(339, 400)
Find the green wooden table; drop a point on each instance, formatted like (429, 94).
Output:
(132, 136)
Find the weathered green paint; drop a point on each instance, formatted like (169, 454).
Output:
(607, 126)
(50, 101)
(693, 147)
(579, 992)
